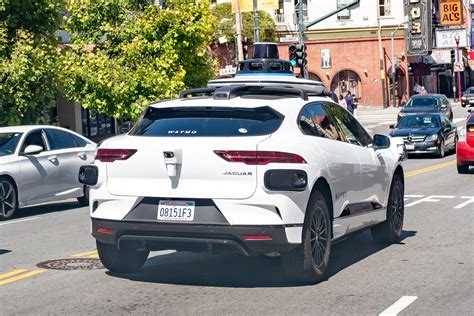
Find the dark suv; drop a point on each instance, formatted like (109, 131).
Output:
(468, 97)
(428, 103)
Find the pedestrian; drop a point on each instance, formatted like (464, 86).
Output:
(423, 90)
(349, 102)
(416, 88)
(354, 105)
(342, 102)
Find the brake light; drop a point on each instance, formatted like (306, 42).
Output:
(257, 237)
(259, 157)
(110, 155)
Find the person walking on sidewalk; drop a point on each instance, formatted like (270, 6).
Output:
(416, 88)
(342, 102)
(349, 102)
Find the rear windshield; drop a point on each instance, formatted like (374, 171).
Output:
(208, 121)
(431, 102)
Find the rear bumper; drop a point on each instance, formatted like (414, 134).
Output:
(465, 154)
(192, 237)
(424, 148)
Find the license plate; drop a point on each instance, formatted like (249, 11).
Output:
(176, 210)
(410, 146)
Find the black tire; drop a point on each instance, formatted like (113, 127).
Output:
(453, 150)
(84, 200)
(463, 105)
(309, 261)
(121, 261)
(8, 198)
(462, 169)
(390, 230)
(441, 150)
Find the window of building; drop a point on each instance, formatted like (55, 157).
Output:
(344, 14)
(305, 9)
(384, 8)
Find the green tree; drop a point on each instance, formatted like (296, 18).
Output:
(28, 60)
(127, 53)
(226, 26)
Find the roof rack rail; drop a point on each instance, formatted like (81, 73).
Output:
(232, 91)
(197, 92)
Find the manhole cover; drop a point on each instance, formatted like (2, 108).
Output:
(72, 264)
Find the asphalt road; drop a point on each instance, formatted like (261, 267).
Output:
(430, 272)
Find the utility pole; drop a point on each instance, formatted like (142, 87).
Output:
(238, 29)
(381, 57)
(256, 25)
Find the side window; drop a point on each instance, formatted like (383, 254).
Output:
(445, 121)
(314, 120)
(351, 128)
(79, 141)
(445, 101)
(59, 139)
(34, 138)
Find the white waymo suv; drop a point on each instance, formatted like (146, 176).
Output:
(251, 166)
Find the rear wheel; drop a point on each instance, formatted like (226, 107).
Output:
(8, 198)
(121, 260)
(391, 230)
(84, 200)
(463, 168)
(308, 262)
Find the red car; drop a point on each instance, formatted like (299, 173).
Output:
(465, 147)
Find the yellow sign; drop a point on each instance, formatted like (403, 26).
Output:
(247, 5)
(450, 12)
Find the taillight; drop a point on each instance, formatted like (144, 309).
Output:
(110, 155)
(259, 157)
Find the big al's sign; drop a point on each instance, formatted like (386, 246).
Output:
(419, 39)
(450, 12)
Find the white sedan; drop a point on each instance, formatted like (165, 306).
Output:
(40, 164)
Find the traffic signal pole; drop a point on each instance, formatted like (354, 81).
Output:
(256, 24)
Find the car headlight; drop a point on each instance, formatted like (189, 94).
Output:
(463, 98)
(431, 138)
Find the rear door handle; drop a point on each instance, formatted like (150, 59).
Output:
(83, 156)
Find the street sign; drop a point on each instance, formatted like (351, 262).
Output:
(450, 12)
(228, 70)
(289, 39)
(458, 67)
(419, 39)
(262, 5)
(445, 38)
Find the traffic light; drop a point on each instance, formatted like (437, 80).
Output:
(301, 55)
(292, 54)
(453, 56)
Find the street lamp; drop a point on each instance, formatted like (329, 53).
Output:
(458, 60)
(393, 62)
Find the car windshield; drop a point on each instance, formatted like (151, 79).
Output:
(8, 143)
(419, 121)
(469, 91)
(207, 121)
(427, 102)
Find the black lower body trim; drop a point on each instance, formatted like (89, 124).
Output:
(192, 237)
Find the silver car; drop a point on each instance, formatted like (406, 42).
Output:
(40, 164)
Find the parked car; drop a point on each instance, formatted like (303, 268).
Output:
(40, 164)
(465, 148)
(426, 134)
(269, 165)
(467, 98)
(428, 103)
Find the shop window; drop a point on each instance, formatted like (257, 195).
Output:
(346, 81)
(344, 14)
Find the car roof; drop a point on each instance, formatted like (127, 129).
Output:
(429, 95)
(25, 128)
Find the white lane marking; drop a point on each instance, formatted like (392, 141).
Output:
(469, 201)
(398, 306)
(458, 120)
(19, 221)
(409, 196)
(431, 198)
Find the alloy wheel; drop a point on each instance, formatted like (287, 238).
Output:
(7, 198)
(318, 237)
(397, 209)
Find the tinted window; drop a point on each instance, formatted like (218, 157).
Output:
(60, 139)
(420, 101)
(470, 91)
(471, 120)
(34, 138)
(8, 143)
(353, 131)
(419, 121)
(314, 120)
(208, 121)
(79, 141)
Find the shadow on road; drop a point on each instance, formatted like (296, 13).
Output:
(45, 209)
(186, 268)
